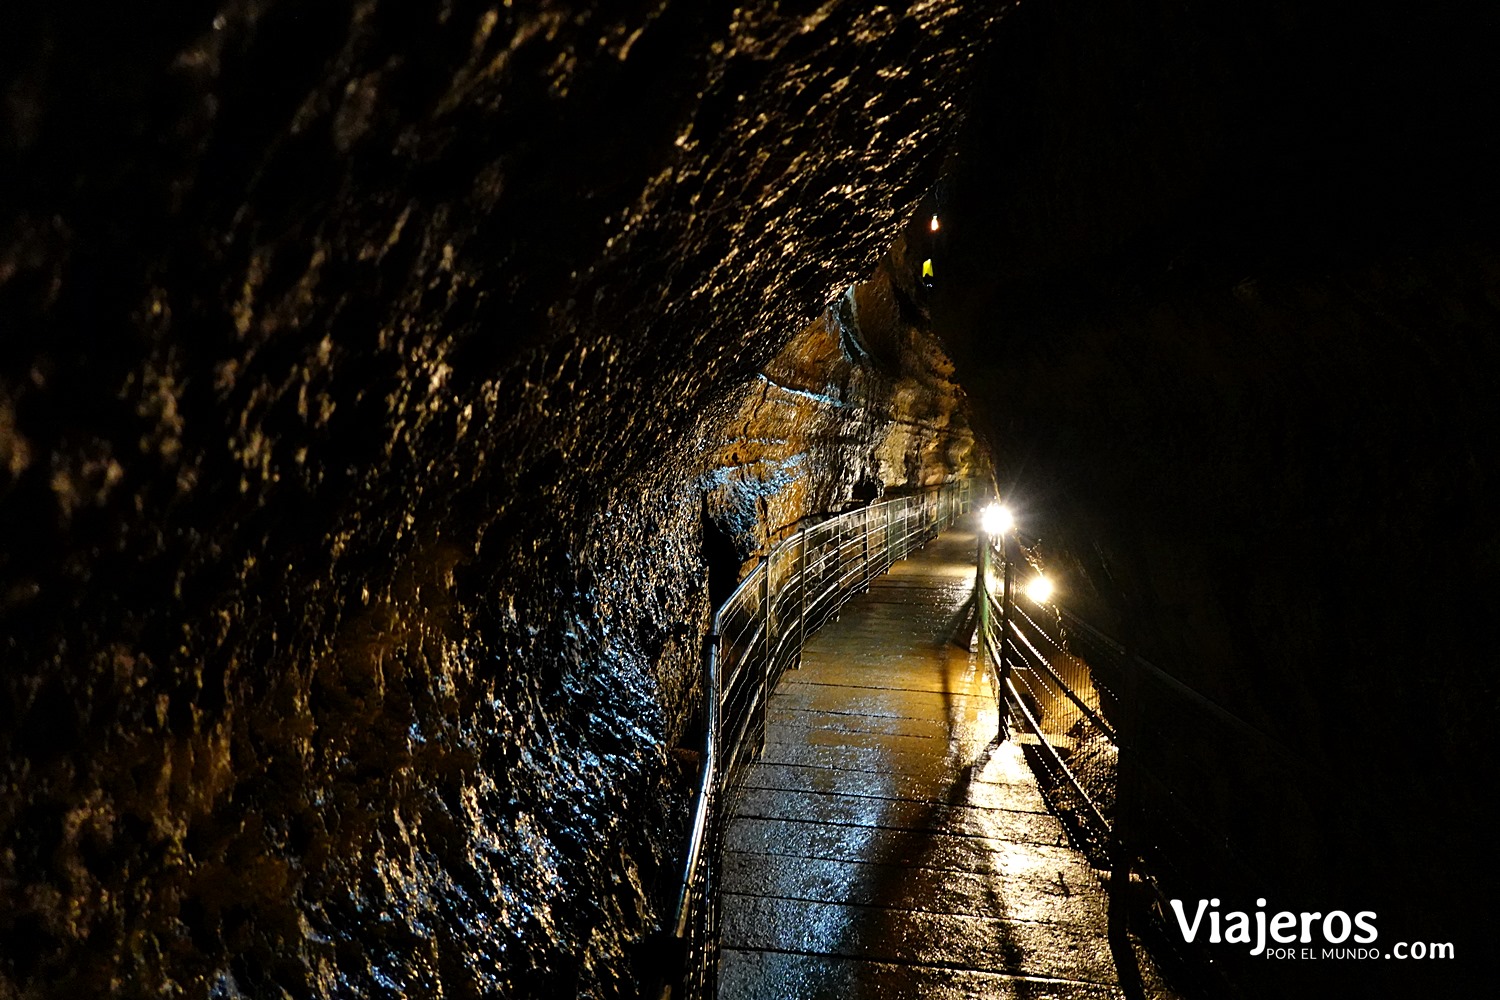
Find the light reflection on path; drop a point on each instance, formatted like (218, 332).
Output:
(885, 847)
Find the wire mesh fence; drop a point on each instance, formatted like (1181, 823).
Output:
(757, 635)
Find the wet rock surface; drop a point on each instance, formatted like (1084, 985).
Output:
(365, 377)
(861, 401)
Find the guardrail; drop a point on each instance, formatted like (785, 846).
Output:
(757, 635)
(1147, 773)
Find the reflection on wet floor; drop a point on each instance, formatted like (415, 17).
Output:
(885, 847)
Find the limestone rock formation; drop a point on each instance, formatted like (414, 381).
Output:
(356, 363)
(861, 401)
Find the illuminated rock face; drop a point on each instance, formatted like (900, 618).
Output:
(369, 376)
(862, 400)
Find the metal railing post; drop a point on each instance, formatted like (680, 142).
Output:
(1006, 599)
(889, 560)
(982, 606)
(765, 631)
(802, 594)
(838, 555)
(866, 534)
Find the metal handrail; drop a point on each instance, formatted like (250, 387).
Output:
(1120, 800)
(1041, 661)
(1017, 648)
(1046, 745)
(735, 733)
(700, 816)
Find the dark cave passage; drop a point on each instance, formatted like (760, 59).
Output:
(389, 396)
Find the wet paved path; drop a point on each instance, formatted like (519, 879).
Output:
(884, 847)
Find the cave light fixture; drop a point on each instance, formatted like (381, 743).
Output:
(1039, 589)
(996, 519)
(934, 225)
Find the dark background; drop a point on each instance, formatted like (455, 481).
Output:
(1224, 289)
(366, 372)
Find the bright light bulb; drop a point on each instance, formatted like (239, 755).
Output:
(1039, 589)
(934, 223)
(996, 519)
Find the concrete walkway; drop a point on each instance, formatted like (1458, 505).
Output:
(885, 847)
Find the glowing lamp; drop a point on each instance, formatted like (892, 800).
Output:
(934, 224)
(1039, 589)
(996, 520)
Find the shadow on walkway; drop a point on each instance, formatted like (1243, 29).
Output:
(886, 846)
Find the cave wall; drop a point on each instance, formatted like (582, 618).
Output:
(861, 402)
(1224, 287)
(364, 372)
